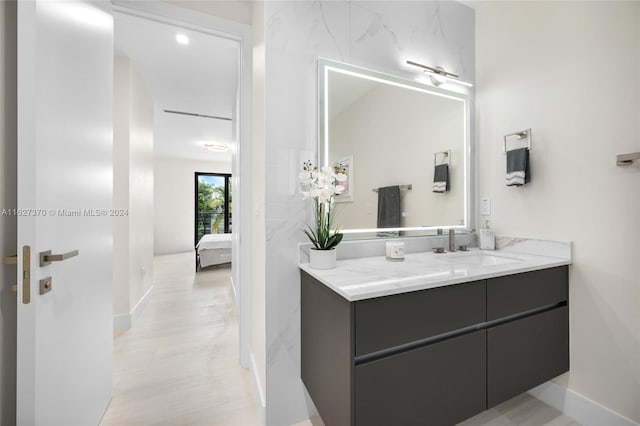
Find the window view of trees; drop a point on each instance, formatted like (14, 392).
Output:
(213, 208)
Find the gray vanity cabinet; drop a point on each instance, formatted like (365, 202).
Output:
(514, 294)
(439, 384)
(388, 322)
(525, 353)
(432, 357)
(530, 350)
(405, 359)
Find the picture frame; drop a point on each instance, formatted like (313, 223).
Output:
(346, 164)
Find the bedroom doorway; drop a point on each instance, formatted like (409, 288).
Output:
(213, 204)
(197, 71)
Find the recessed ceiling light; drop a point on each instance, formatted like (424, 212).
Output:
(217, 147)
(182, 39)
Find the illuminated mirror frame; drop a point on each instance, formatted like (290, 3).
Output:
(325, 66)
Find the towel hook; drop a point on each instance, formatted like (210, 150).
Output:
(522, 134)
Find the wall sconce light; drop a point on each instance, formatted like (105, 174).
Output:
(438, 75)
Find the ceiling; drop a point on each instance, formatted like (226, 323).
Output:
(200, 78)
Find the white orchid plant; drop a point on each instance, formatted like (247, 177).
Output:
(322, 186)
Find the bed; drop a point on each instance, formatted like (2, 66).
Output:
(213, 249)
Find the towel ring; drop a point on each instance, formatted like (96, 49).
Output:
(447, 156)
(522, 134)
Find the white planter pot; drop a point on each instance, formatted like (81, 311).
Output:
(322, 259)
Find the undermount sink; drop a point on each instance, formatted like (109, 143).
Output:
(480, 259)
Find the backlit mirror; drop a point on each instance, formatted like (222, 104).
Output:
(387, 131)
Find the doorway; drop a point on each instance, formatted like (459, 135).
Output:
(174, 109)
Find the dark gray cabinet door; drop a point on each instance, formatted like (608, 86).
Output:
(514, 294)
(437, 385)
(385, 322)
(525, 353)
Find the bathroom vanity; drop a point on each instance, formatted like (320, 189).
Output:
(433, 340)
(437, 338)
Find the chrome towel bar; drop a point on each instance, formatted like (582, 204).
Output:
(402, 188)
(626, 159)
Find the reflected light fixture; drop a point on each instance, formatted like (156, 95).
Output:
(182, 39)
(216, 147)
(438, 75)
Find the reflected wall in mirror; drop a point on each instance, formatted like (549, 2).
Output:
(390, 131)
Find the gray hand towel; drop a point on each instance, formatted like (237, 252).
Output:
(441, 178)
(518, 167)
(389, 207)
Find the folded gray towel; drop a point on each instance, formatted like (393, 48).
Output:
(441, 178)
(518, 167)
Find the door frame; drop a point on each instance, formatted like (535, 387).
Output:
(241, 156)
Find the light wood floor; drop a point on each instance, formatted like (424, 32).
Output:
(523, 410)
(178, 364)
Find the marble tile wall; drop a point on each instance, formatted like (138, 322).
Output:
(561, 249)
(380, 35)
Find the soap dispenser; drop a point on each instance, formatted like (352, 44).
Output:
(487, 237)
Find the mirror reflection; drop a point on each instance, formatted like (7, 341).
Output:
(404, 146)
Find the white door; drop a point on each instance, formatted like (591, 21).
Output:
(65, 79)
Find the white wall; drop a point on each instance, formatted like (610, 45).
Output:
(141, 212)
(8, 224)
(258, 249)
(379, 35)
(133, 190)
(571, 72)
(393, 135)
(121, 71)
(174, 198)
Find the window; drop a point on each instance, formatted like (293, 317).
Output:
(212, 204)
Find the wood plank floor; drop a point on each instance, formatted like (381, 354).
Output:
(178, 364)
(523, 410)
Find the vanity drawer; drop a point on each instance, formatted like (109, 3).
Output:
(525, 353)
(439, 384)
(390, 321)
(518, 293)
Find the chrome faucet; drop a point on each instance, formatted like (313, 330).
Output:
(452, 240)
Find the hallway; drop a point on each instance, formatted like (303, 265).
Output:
(178, 364)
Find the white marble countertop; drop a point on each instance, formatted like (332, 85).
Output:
(369, 277)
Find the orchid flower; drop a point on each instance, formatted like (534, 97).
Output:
(321, 186)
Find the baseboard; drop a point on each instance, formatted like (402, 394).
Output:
(122, 322)
(125, 321)
(261, 403)
(137, 310)
(580, 408)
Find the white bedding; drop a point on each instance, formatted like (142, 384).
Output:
(213, 249)
(214, 241)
